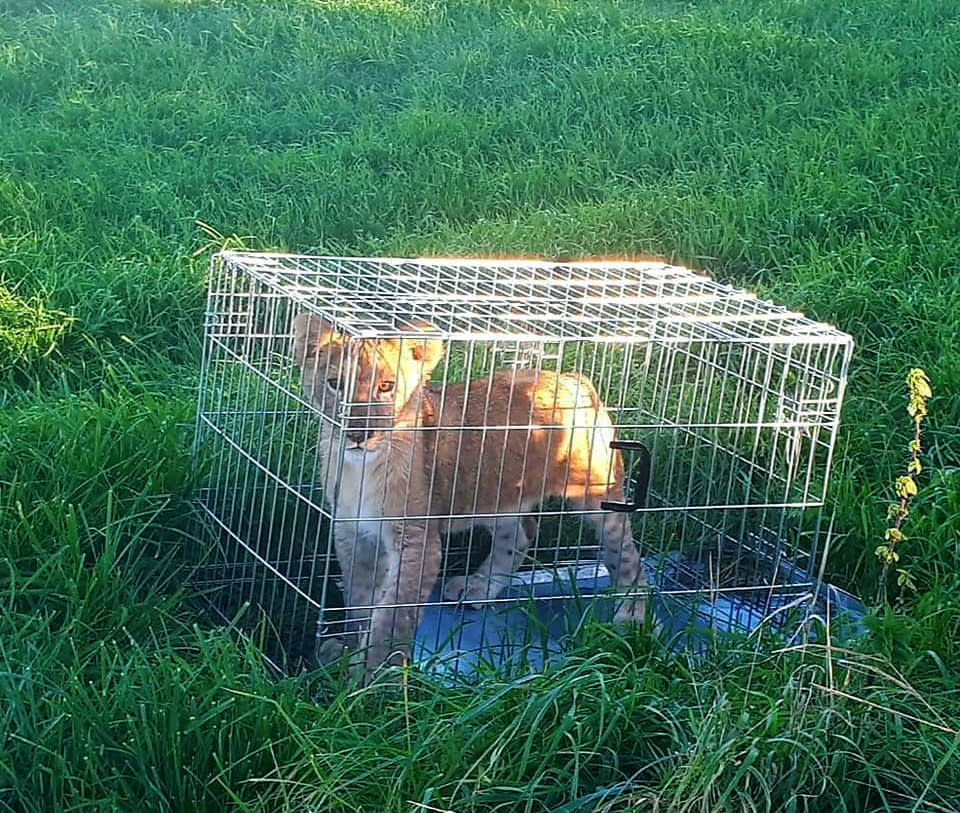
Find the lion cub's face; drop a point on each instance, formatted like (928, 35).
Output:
(388, 374)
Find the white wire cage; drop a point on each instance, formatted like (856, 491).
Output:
(721, 410)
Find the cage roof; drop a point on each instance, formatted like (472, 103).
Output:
(526, 300)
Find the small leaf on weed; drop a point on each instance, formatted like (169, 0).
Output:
(906, 487)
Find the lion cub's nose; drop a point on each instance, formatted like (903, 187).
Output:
(358, 437)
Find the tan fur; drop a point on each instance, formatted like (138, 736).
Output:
(424, 451)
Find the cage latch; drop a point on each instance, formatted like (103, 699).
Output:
(639, 477)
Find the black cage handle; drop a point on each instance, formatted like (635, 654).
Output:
(639, 477)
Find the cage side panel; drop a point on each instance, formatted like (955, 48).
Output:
(271, 562)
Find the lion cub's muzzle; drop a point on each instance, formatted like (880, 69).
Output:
(366, 422)
(358, 438)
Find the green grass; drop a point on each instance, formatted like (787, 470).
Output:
(805, 150)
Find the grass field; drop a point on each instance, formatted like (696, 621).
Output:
(806, 149)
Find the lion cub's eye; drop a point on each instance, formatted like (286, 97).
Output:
(386, 386)
(333, 383)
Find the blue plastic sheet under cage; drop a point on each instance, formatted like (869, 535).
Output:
(544, 608)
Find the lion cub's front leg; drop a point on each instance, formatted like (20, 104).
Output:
(413, 564)
(362, 567)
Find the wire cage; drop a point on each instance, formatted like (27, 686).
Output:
(470, 456)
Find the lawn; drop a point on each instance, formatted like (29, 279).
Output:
(804, 149)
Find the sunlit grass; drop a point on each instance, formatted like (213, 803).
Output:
(28, 331)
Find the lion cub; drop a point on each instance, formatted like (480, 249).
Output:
(420, 460)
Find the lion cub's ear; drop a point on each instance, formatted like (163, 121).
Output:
(310, 333)
(426, 352)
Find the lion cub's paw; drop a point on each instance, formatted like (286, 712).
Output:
(331, 650)
(472, 588)
(631, 611)
(454, 588)
(635, 611)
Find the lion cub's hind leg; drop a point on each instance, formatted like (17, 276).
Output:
(620, 556)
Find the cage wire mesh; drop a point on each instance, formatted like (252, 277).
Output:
(476, 450)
